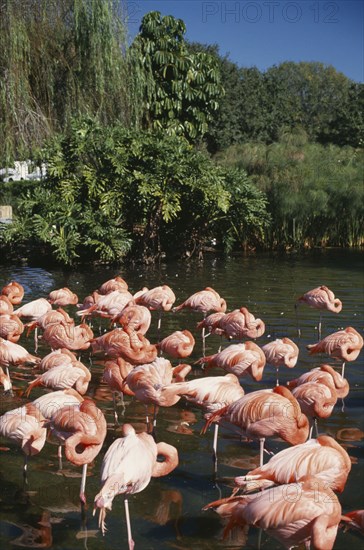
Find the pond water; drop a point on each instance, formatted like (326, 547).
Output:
(168, 513)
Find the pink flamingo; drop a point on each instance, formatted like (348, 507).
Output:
(127, 468)
(291, 513)
(83, 433)
(323, 458)
(6, 307)
(11, 327)
(281, 352)
(14, 292)
(108, 305)
(117, 283)
(265, 413)
(34, 309)
(316, 400)
(240, 359)
(177, 345)
(324, 374)
(62, 297)
(75, 376)
(60, 356)
(131, 346)
(204, 301)
(134, 317)
(147, 383)
(114, 376)
(160, 298)
(77, 337)
(5, 381)
(344, 345)
(239, 324)
(25, 426)
(321, 298)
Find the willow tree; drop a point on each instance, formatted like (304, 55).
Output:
(179, 90)
(57, 60)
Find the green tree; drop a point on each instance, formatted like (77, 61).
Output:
(59, 60)
(179, 90)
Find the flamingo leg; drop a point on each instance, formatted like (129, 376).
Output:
(214, 446)
(277, 381)
(59, 454)
(159, 323)
(319, 327)
(36, 339)
(343, 369)
(128, 524)
(25, 470)
(116, 419)
(261, 449)
(203, 342)
(10, 390)
(316, 426)
(83, 484)
(147, 417)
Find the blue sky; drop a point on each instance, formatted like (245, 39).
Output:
(263, 33)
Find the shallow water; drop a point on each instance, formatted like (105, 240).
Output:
(167, 514)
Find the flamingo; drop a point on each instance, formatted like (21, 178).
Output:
(134, 317)
(147, 383)
(239, 324)
(281, 352)
(117, 283)
(127, 468)
(60, 356)
(73, 337)
(265, 413)
(344, 345)
(34, 309)
(240, 359)
(160, 298)
(323, 458)
(50, 403)
(316, 400)
(324, 374)
(204, 301)
(11, 327)
(51, 317)
(5, 380)
(321, 298)
(14, 354)
(131, 346)
(210, 393)
(295, 513)
(25, 426)
(211, 323)
(14, 292)
(6, 307)
(83, 433)
(61, 377)
(108, 305)
(62, 297)
(114, 376)
(177, 345)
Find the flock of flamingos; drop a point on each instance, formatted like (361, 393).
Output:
(293, 496)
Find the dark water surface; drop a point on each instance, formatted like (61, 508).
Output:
(167, 514)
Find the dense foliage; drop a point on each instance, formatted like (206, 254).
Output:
(315, 193)
(164, 147)
(111, 190)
